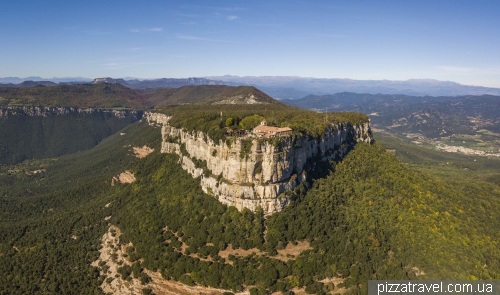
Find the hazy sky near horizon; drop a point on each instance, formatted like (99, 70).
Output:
(395, 40)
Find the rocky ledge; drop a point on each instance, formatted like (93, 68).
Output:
(16, 111)
(248, 172)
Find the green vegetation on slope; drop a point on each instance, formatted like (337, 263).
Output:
(181, 95)
(370, 219)
(82, 95)
(169, 197)
(51, 222)
(443, 164)
(205, 94)
(378, 219)
(373, 217)
(207, 118)
(239, 92)
(36, 137)
(469, 121)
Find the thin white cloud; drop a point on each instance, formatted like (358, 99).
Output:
(179, 55)
(454, 69)
(493, 71)
(212, 7)
(146, 30)
(331, 35)
(266, 25)
(123, 65)
(195, 38)
(72, 28)
(97, 32)
(187, 15)
(232, 17)
(139, 49)
(230, 8)
(113, 66)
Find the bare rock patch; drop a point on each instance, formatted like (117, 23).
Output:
(141, 152)
(125, 177)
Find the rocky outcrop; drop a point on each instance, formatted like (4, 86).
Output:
(33, 132)
(16, 111)
(247, 172)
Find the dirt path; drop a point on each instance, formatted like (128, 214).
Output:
(111, 258)
(290, 251)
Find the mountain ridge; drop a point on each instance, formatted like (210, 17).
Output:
(278, 85)
(295, 87)
(372, 217)
(158, 83)
(79, 95)
(207, 94)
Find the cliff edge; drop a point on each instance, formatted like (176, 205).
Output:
(248, 171)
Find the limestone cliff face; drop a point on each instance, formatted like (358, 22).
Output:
(31, 132)
(16, 111)
(260, 176)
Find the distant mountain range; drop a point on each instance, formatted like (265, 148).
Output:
(105, 93)
(159, 83)
(291, 87)
(132, 83)
(286, 87)
(433, 117)
(17, 80)
(27, 84)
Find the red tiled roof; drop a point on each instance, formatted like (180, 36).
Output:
(263, 128)
(266, 129)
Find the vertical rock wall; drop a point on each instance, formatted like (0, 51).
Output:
(256, 178)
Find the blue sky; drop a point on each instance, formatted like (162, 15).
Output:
(395, 40)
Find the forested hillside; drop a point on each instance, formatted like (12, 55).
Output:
(50, 121)
(37, 133)
(52, 215)
(372, 217)
(205, 94)
(40, 122)
(80, 95)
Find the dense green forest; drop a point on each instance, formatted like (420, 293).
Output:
(80, 95)
(115, 95)
(207, 118)
(24, 136)
(375, 216)
(52, 215)
(371, 218)
(206, 94)
(410, 213)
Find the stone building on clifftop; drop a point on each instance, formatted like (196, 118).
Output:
(269, 131)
